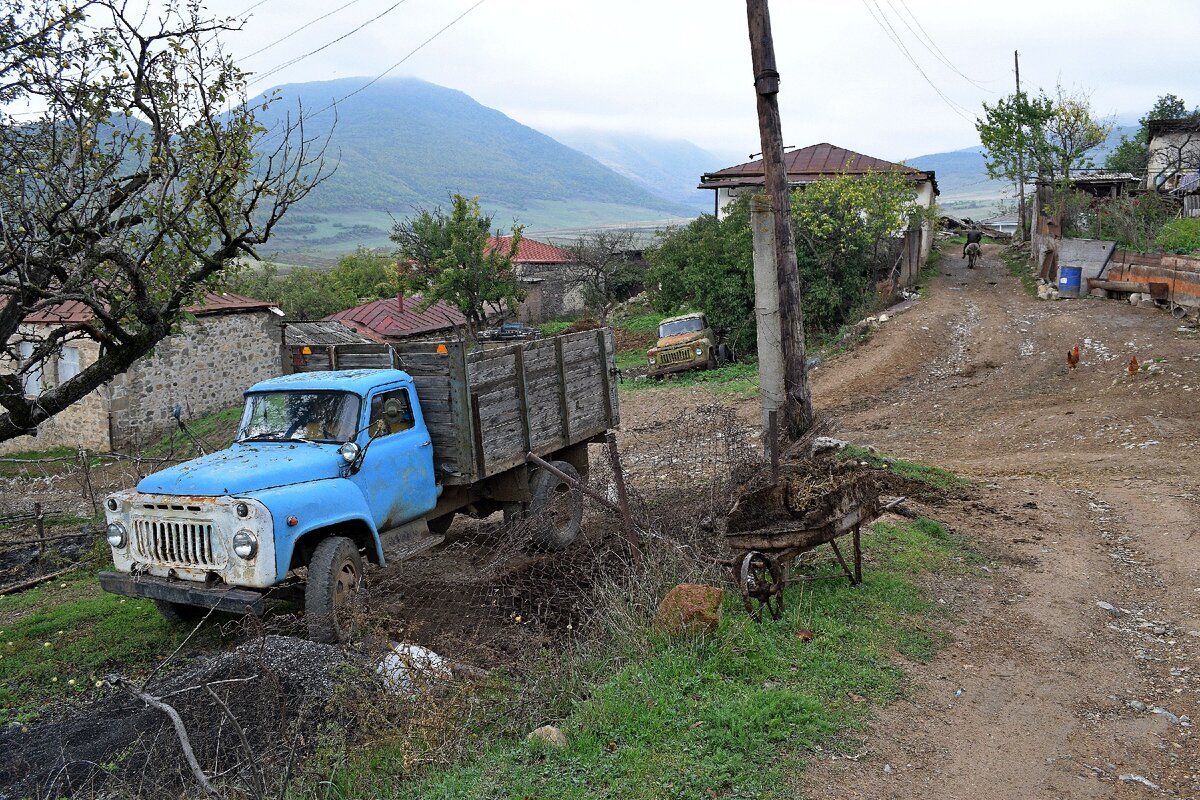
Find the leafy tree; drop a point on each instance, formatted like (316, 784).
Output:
(602, 265)
(844, 226)
(447, 256)
(132, 190)
(1071, 133)
(1131, 155)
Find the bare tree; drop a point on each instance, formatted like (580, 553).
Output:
(1174, 152)
(605, 267)
(138, 179)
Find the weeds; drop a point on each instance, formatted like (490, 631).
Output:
(934, 477)
(1018, 267)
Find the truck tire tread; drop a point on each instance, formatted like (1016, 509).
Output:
(550, 532)
(330, 558)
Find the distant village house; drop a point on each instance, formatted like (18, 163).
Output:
(544, 272)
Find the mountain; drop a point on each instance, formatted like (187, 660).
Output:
(405, 143)
(669, 168)
(966, 189)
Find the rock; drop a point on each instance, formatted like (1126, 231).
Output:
(549, 736)
(884, 317)
(1109, 607)
(823, 444)
(1136, 705)
(1167, 715)
(689, 607)
(1131, 777)
(804, 635)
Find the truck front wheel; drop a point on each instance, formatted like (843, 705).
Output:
(335, 574)
(556, 509)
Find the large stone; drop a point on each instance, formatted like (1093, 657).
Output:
(689, 607)
(550, 736)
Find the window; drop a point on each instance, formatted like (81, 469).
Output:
(68, 364)
(32, 379)
(679, 326)
(330, 417)
(391, 412)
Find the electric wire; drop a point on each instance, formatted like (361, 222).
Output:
(934, 50)
(889, 31)
(260, 77)
(308, 24)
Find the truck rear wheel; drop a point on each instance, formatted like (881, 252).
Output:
(556, 509)
(335, 574)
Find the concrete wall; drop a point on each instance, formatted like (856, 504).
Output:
(1172, 155)
(549, 293)
(205, 368)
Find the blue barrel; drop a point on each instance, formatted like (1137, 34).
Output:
(1069, 279)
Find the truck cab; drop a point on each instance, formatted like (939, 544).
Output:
(325, 464)
(685, 342)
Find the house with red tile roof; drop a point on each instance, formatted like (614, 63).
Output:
(400, 317)
(545, 274)
(230, 342)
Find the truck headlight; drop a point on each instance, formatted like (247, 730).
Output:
(116, 535)
(245, 544)
(349, 452)
(699, 351)
(651, 360)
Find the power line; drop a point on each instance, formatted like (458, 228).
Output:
(890, 32)
(935, 51)
(308, 24)
(263, 76)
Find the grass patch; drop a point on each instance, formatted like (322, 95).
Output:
(738, 380)
(58, 639)
(1018, 267)
(555, 327)
(935, 477)
(215, 430)
(730, 715)
(641, 323)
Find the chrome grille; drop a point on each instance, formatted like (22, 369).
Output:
(170, 542)
(675, 356)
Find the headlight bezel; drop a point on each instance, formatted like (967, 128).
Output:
(116, 535)
(245, 544)
(699, 351)
(349, 452)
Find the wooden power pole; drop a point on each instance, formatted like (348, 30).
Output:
(1020, 153)
(797, 408)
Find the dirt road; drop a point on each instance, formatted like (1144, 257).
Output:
(1087, 495)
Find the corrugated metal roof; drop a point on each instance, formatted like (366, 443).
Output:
(385, 319)
(805, 165)
(529, 251)
(214, 303)
(320, 333)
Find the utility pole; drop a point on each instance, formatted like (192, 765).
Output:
(1020, 151)
(797, 407)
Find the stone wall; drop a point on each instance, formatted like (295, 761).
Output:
(549, 293)
(84, 424)
(204, 369)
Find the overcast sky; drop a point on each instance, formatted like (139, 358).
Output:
(681, 68)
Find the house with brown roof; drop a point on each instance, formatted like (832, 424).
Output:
(231, 342)
(820, 162)
(545, 275)
(400, 317)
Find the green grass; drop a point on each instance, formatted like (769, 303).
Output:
(731, 715)
(555, 327)
(58, 639)
(215, 430)
(642, 323)
(737, 380)
(935, 477)
(1018, 267)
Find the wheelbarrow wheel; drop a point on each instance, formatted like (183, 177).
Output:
(760, 581)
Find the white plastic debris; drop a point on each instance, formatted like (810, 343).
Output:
(407, 665)
(823, 444)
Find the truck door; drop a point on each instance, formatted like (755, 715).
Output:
(396, 475)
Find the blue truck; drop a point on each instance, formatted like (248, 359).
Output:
(364, 454)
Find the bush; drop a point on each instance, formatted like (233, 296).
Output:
(1180, 235)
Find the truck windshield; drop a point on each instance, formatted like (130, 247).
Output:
(680, 326)
(309, 416)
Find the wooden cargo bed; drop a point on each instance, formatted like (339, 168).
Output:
(487, 405)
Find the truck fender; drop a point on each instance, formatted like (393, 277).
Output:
(319, 505)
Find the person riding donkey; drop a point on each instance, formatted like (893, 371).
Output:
(973, 246)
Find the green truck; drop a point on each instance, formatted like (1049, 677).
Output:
(686, 342)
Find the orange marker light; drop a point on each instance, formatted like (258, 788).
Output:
(292, 522)
(441, 348)
(306, 350)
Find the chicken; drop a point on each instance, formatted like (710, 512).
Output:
(1133, 366)
(1073, 357)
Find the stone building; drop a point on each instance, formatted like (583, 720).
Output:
(544, 272)
(231, 343)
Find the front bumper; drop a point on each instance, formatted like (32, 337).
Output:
(242, 601)
(658, 372)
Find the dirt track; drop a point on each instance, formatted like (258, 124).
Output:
(1087, 494)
